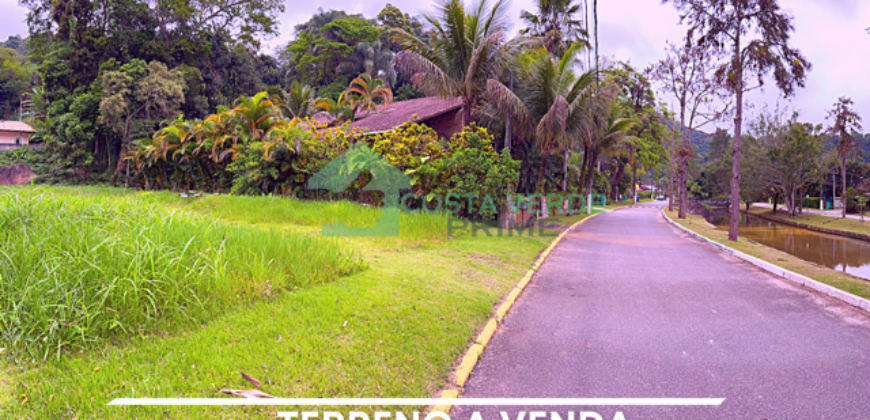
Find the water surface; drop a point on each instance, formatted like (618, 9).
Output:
(836, 252)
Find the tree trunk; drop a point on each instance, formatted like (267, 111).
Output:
(684, 166)
(775, 201)
(633, 174)
(800, 202)
(734, 226)
(545, 156)
(590, 178)
(565, 171)
(671, 175)
(582, 181)
(615, 187)
(507, 122)
(822, 193)
(120, 165)
(843, 195)
(684, 163)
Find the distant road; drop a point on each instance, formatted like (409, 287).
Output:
(628, 306)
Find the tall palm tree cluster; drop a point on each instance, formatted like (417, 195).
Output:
(529, 87)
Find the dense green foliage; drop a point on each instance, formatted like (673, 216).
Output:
(16, 75)
(82, 48)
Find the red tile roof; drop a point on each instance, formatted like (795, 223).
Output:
(398, 113)
(16, 126)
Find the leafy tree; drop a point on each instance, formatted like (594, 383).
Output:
(756, 35)
(317, 57)
(320, 19)
(15, 42)
(137, 91)
(16, 76)
(391, 17)
(558, 22)
(845, 122)
(638, 101)
(467, 49)
(788, 158)
(688, 74)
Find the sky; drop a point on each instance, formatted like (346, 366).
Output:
(830, 33)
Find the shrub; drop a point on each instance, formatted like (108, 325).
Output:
(472, 167)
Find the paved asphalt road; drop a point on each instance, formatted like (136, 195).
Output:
(628, 306)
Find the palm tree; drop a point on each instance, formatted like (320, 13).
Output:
(558, 23)
(255, 115)
(365, 93)
(341, 110)
(607, 131)
(466, 50)
(549, 103)
(298, 102)
(374, 59)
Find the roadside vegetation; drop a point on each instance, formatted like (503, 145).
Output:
(357, 316)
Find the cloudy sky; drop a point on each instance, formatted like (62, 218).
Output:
(829, 32)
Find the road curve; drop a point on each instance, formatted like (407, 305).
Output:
(627, 306)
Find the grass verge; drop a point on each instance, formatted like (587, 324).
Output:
(825, 275)
(393, 329)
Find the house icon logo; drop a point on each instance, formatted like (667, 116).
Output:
(386, 178)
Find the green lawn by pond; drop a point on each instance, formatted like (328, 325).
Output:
(383, 317)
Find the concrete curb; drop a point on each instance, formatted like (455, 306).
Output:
(469, 360)
(789, 275)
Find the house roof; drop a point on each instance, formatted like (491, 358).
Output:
(16, 126)
(398, 113)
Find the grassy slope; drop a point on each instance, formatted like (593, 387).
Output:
(394, 329)
(823, 274)
(835, 223)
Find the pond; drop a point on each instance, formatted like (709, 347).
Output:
(836, 252)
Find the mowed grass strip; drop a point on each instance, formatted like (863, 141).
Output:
(394, 329)
(845, 282)
(77, 270)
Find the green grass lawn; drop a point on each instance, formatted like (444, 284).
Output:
(835, 223)
(384, 317)
(825, 275)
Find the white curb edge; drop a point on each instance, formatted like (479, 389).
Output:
(789, 275)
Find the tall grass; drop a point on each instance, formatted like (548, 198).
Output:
(75, 270)
(414, 228)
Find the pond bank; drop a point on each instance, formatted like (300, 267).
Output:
(837, 252)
